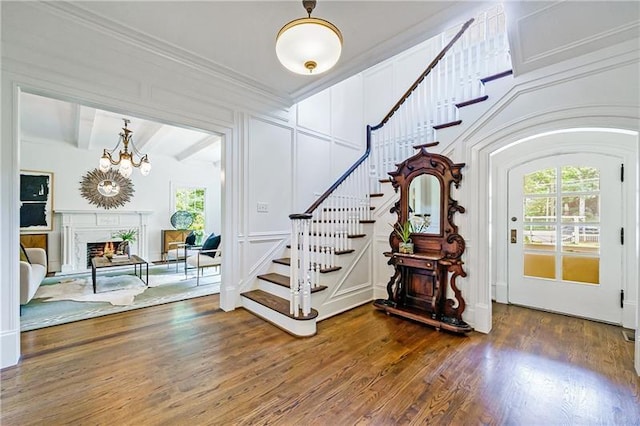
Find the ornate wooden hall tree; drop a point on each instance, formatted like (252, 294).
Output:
(418, 287)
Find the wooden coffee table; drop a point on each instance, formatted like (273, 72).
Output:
(103, 262)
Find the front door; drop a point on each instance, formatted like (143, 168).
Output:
(565, 252)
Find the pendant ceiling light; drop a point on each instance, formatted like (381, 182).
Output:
(126, 158)
(309, 45)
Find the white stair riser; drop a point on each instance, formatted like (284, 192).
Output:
(283, 292)
(292, 326)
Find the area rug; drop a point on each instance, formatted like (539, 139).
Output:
(116, 293)
(118, 290)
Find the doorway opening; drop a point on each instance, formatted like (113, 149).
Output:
(557, 235)
(66, 139)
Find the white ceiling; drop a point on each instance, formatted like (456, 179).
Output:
(237, 39)
(48, 120)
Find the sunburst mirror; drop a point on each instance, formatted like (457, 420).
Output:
(106, 189)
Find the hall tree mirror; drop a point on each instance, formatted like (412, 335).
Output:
(423, 286)
(425, 204)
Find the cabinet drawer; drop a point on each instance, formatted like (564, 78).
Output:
(416, 263)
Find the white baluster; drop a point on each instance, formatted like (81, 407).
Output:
(306, 288)
(293, 268)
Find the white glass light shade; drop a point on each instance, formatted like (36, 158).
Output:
(309, 45)
(145, 168)
(108, 187)
(125, 163)
(105, 164)
(125, 172)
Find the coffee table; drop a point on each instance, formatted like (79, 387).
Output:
(103, 262)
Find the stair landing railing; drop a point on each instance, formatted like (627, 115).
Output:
(327, 227)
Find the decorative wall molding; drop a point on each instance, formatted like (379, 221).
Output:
(568, 42)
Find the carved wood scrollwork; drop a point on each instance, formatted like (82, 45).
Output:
(419, 286)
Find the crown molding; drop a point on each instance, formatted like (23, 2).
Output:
(140, 40)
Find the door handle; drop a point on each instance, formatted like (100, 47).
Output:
(514, 236)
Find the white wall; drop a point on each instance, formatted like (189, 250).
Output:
(154, 192)
(289, 163)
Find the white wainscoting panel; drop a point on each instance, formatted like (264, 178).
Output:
(269, 173)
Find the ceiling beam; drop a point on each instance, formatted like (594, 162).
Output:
(153, 131)
(84, 124)
(197, 147)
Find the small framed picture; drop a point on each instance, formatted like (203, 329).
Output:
(36, 200)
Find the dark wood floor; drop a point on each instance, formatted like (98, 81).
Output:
(190, 363)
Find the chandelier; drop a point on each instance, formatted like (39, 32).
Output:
(309, 45)
(126, 160)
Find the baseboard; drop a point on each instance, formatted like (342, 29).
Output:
(380, 291)
(482, 318)
(501, 292)
(10, 352)
(342, 304)
(629, 314)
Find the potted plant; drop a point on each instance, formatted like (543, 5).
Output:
(404, 230)
(127, 237)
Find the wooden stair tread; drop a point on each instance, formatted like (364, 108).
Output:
(315, 234)
(283, 280)
(277, 304)
(472, 101)
(424, 145)
(337, 252)
(287, 261)
(376, 194)
(445, 125)
(335, 209)
(336, 220)
(347, 251)
(496, 76)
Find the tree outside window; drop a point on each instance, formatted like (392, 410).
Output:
(193, 201)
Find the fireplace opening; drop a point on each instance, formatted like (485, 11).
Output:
(96, 250)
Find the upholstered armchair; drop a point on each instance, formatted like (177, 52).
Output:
(32, 272)
(206, 256)
(204, 259)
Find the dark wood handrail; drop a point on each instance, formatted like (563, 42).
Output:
(424, 74)
(367, 151)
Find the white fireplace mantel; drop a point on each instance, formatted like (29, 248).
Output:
(80, 227)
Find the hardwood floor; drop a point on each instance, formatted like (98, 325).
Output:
(191, 363)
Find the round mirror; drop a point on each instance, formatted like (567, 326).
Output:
(425, 204)
(108, 188)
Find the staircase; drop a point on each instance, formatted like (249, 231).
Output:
(327, 267)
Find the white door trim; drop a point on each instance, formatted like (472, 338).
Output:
(623, 144)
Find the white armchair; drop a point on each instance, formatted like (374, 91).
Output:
(32, 274)
(204, 259)
(179, 251)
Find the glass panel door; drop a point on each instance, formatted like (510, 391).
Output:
(564, 254)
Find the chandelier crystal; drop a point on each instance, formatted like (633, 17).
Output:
(309, 45)
(126, 161)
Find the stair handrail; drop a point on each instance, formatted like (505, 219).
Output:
(426, 72)
(307, 213)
